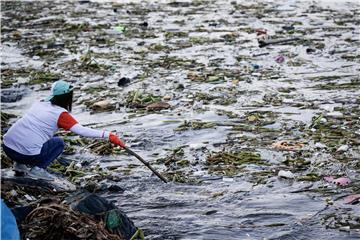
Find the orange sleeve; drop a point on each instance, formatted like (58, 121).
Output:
(66, 121)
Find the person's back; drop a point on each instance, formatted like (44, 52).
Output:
(36, 127)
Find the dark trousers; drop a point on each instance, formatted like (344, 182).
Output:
(49, 152)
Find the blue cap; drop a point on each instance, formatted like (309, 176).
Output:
(58, 88)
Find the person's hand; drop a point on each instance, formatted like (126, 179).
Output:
(116, 140)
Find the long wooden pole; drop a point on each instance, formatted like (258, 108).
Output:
(145, 163)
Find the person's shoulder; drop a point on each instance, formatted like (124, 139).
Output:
(42, 104)
(48, 105)
(38, 104)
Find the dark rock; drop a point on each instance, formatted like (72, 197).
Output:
(123, 81)
(144, 24)
(310, 50)
(288, 28)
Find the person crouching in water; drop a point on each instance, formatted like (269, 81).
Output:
(30, 141)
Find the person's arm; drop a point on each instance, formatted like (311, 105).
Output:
(89, 132)
(67, 122)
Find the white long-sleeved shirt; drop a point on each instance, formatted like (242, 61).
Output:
(39, 124)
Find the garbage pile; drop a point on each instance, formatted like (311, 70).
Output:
(57, 221)
(80, 215)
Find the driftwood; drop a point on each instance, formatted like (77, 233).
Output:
(263, 43)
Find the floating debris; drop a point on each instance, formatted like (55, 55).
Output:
(288, 145)
(352, 199)
(120, 28)
(135, 99)
(243, 157)
(342, 219)
(157, 106)
(343, 181)
(194, 125)
(63, 223)
(123, 81)
(102, 106)
(312, 177)
(320, 145)
(101, 147)
(286, 174)
(343, 148)
(279, 59)
(263, 43)
(38, 77)
(231, 164)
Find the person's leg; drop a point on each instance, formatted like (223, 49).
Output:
(18, 157)
(49, 152)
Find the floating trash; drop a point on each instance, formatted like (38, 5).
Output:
(352, 199)
(288, 28)
(123, 81)
(255, 66)
(261, 31)
(157, 106)
(120, 28)
(279, 59)
(343, 148)
(286, 174)
(288, 145)
(343, 181)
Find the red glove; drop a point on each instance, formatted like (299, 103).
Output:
(116, 140)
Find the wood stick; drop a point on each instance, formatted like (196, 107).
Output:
(145, 163)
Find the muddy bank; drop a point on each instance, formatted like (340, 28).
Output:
(244, 107)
